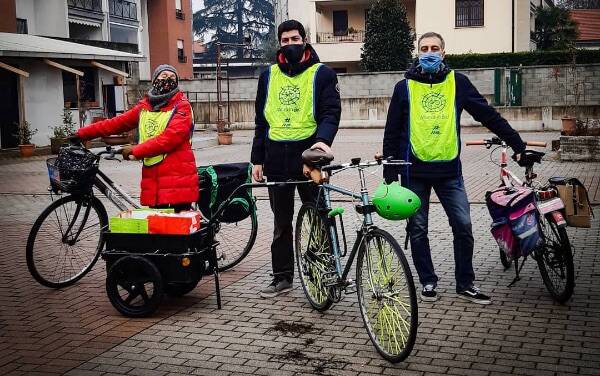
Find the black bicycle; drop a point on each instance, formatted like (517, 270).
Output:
(67, 238)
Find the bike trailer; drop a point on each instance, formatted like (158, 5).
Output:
(217, 183)
(141, 267)
(515, 224)
(578, 211)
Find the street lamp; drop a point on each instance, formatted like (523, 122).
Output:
(220, 120)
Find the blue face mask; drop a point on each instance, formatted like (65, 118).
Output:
(430, 61)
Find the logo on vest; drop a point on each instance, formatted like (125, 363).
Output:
(289, 95)
(433, 102)
(151, 127)
(436, 130)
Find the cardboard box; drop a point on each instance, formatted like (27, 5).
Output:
(577, 206)
(182, 223)
(133, 221)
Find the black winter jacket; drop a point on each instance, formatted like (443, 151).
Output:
(283, 158)
(396, 140)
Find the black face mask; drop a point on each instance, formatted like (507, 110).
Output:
(293, 52)
(164, 85)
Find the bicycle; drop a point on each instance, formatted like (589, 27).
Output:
(385, 288)
(81, 220)
(553, 254)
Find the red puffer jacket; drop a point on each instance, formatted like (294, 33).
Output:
(175, 179)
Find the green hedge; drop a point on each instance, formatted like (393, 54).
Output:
(508, 59)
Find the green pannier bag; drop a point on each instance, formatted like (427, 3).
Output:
(217, 183)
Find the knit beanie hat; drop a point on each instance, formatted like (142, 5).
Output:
(164, 67)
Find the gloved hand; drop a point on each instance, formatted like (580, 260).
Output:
(521, 159)
(127, 151)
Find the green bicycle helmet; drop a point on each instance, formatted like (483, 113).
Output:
(394, 202)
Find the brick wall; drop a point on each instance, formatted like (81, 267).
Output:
(580, 148)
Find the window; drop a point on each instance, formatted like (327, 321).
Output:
(180, 53)
(87, 86)
(340, 22)
(21, 26)
(469, 13)
(179, 10)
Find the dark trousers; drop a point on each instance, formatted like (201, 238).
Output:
(282, 204)
(453, 198)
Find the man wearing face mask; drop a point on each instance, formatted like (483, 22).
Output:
(165, 121)
(423, 127)
(297, 108)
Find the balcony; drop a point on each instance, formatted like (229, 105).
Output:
(123, 9)
(86, 5)
(323, 37)
(90, 9)
(182, 59)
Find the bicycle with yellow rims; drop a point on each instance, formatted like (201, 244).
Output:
(384, 282)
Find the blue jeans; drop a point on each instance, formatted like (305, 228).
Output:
(453, 197)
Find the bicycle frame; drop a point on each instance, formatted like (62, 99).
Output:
(367, 222)
(113, 192)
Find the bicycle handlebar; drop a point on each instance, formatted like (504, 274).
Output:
(355, 163)
(497, 141)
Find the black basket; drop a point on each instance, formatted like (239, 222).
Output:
(73, 171)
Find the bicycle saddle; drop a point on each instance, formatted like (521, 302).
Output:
(316, 158)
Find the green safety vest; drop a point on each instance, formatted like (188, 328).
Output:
(289, 108)
(433, 122)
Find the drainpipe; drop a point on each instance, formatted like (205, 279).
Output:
(513, 26)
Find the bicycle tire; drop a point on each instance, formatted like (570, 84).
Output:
(228, 245)
(556, 260)
(310, 263)
(91, 248)
(386, 325)
(504, 260)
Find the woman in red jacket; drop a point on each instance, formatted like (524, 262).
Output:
(164, 118)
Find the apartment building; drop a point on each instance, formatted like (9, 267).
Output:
(80, 53)
(336, 28)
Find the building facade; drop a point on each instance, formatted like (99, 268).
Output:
(170, 34)
(336, 28)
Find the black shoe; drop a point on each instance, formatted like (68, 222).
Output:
(428, 293)
(474, 295)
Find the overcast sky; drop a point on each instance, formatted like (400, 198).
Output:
(197, 4)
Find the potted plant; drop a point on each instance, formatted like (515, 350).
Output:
(62, 131)
(224, 134)
(24, 135)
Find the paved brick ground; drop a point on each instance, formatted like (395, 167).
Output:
(76, 330)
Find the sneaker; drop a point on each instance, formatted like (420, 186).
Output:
(277, 287)
(428, 293)
(474, 295)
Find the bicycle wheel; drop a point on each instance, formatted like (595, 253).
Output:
(555, 260)
(65, 241)
(386, 295)
(134, 286)
(314, 257)
(236, 240)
